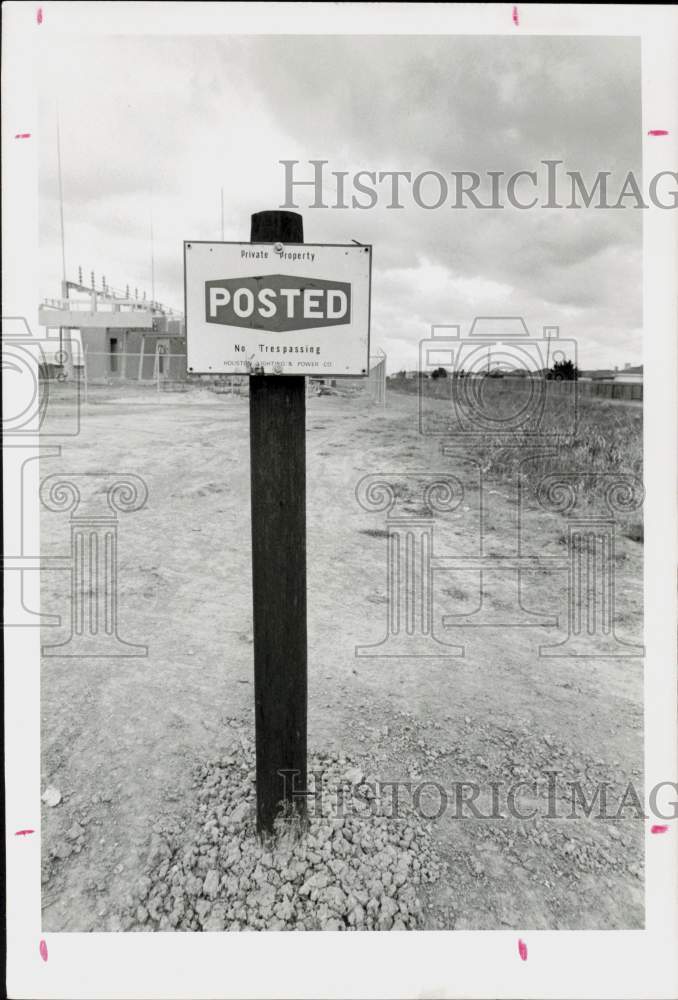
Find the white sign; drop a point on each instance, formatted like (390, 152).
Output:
(289, 309)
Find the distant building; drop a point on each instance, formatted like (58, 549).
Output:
(630, 373)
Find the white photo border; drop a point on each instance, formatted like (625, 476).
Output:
(614, 964)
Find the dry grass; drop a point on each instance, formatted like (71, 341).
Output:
(604, 438)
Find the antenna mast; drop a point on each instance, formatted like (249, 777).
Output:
(64, 290)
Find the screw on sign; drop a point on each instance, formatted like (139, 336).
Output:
(278, 309)
(299, 309)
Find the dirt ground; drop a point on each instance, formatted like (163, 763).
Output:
(121, 738)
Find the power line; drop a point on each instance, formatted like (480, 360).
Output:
(152, 255)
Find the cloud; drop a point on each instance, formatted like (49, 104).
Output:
(159, 125)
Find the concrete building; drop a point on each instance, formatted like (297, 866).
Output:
(114, 335)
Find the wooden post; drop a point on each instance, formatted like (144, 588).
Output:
(141, 357)
(278, 491)
(84, 366)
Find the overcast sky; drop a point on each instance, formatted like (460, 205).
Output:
(164, 123)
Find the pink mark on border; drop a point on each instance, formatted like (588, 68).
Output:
(39, 15)
(515, 16)
(659, 828)
(522, 949)
(23, 833)
(658, 131)
(44, 954)
(22, 135)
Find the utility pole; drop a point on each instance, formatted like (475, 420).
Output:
(278, 497)
(152, 255)
(63, 355)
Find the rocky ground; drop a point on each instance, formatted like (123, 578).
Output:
(148, 758)
(356, 866)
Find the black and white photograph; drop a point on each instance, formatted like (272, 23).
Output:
(331, 429)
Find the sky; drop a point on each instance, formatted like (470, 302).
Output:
(152, 128)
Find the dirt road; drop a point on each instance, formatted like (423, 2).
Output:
(121, 737)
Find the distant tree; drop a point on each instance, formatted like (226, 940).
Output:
(563, 371)
(439, 373)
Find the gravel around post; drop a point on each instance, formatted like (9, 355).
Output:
(355, 865)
